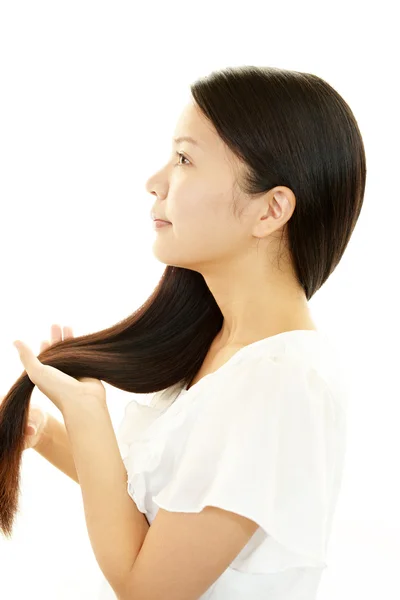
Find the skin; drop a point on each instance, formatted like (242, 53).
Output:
(195, 192)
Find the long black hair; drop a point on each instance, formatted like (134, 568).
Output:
(289, 129)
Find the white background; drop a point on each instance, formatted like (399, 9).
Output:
(89, 96)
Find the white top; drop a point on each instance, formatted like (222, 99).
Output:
(263, 436)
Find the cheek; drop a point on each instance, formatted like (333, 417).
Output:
(199, 207)
(187, 207)
(202, 203)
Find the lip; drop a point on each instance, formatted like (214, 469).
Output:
(157, 223)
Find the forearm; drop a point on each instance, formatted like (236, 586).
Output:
(117, 529)
(54, 446)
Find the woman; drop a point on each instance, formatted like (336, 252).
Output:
(236, 460)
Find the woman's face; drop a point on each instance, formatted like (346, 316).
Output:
(195, 191)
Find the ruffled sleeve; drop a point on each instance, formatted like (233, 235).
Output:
(139, 414)
(262, 445)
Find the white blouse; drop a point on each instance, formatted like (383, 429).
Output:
(263, 436)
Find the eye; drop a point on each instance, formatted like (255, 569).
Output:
(183, 156)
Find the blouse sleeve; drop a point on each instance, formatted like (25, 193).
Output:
(262, 445)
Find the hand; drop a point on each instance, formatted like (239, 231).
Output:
(37, 419)
(64, 391)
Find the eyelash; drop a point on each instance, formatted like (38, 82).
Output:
(183, 156)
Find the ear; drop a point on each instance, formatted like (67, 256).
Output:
(277, 208)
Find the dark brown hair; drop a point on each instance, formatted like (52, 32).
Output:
(289, 129)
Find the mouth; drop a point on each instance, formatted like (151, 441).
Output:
(157, 223)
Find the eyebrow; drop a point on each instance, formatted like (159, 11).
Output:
(186, 138)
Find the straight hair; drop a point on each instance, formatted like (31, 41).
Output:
(288, 128)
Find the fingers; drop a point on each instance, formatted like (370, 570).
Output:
(68, 333)
(56, 335)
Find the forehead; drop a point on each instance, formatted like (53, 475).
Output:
(192, 126)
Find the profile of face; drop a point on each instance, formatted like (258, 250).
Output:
(195, 191)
